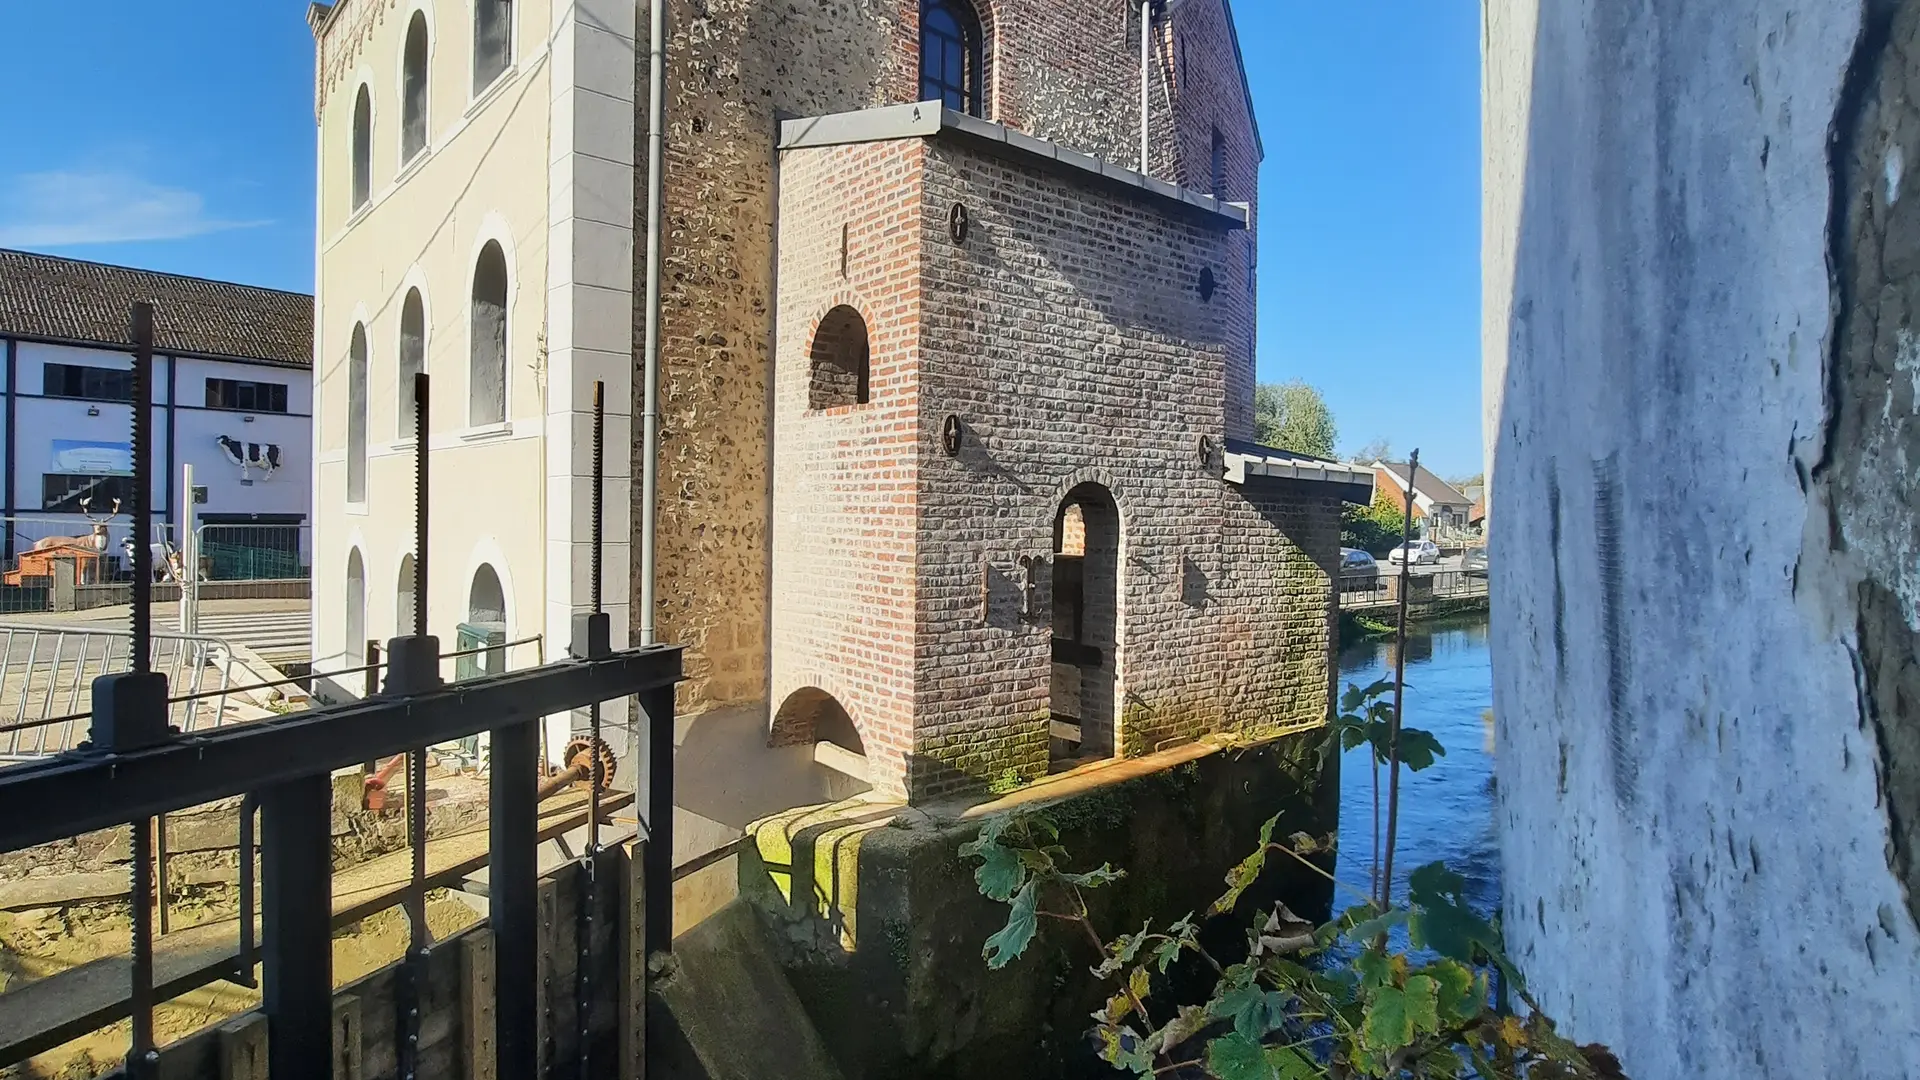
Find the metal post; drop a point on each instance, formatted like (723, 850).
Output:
(596, 780)
(141, 716)
(296, 907)
(1399, 688)
(512, 897)
(189, 557)
(656, 208)
(657, 707)
(413, 665)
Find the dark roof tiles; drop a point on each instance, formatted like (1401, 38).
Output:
(56, 299)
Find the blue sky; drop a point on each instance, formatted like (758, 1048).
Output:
(182, 139)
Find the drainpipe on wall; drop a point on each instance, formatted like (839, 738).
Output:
(650, 454)
(1146, 80)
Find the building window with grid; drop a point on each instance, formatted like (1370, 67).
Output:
(244, 396)
(952, 53)
(87, 381)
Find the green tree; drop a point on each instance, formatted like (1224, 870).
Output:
(1377, 529)
(1293, 416)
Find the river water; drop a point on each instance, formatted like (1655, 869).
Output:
(1446, 811)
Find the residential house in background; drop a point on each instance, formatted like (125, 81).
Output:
(232, 396)
(1437, 507)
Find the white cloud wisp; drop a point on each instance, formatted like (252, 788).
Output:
(73, 207)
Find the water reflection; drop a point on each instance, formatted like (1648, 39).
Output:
(1446, 812)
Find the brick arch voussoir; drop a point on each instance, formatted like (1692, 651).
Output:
(790, 734)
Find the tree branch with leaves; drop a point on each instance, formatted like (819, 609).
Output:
(1303, 1002)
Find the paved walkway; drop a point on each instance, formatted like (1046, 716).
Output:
(280, 630)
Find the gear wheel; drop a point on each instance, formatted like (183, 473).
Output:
(582, 752)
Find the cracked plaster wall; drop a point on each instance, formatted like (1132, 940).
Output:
(1706, 539)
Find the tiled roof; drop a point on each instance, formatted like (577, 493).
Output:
(43, 296)
(1426, 483)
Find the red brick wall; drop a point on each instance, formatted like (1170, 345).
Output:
(1211, 96)
(1069, 336)
(845, 478)
(1063, 70)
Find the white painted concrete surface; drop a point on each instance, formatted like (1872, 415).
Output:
(1696, 862)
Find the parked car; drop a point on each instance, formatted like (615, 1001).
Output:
(1415, 552)
(1356, 563)
(1474, 562)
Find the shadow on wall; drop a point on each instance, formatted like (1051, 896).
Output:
(1677, 641)
(727, 774)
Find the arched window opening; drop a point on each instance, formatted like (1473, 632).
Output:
(403, 598)
(839, 374)
(413, 357)
(357, 416)
(814, 719)
(354, 639)
(485, 629)
(362, 148)
(413, 89)
(1086, 609)
(951, 56)
(487, 386)
(492, 41)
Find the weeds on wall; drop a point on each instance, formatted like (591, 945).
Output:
(1339, 1000)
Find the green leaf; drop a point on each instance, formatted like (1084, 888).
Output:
(1422, 997)
(1441, 919)
(1035, 859)
(1104, 874)
(1000, 873)
(1235, 1057)
(1188, 1023)
(1254, 1010)
(1441, 1061)
(1389, 1023)
(1453, 931)
(1139, 985)
(1418, 749)
(1365, 932)
(1291, 1063)
(1246, 873)
(1357, 695)
(1434, 883)
(1375, 967)
(1165, 953)
(1457, 998)
(1023, 918)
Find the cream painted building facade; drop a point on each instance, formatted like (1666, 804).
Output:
(475, 221)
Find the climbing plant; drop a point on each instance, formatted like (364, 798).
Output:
(1338, 1000)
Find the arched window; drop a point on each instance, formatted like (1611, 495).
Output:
(403, 598)
(354, 639)
(840, 362)
(487, 379)
(413, 356)
(413, 89)
(951, 55)
(357, 416)
(492, 41)
(362, 148)
(486, 600)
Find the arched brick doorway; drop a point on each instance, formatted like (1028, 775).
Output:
(1086, 620)
(812, 717)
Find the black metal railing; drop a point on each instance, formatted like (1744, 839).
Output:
(134, 768)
